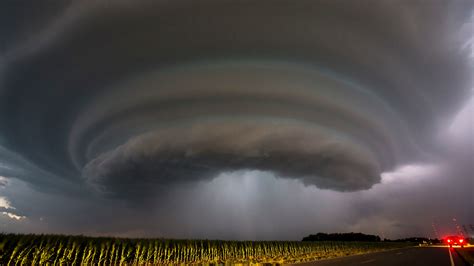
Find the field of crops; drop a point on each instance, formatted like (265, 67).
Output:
(56, 249)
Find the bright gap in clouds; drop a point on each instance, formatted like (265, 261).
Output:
(462, 128)
(409, 174)
(13, 216)
(5, 204)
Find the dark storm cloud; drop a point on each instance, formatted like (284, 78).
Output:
(130, 96)
(3, 182)
(205, 150)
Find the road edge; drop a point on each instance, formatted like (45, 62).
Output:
(353, 255)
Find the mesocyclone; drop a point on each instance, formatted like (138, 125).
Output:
(129, 97)
(195, 121)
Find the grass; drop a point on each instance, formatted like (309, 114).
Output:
(74, 250)
(467, 254)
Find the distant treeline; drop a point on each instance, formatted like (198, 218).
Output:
(366, 238)
(342, 237)
(416, 240)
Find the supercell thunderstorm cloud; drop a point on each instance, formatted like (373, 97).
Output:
(206, 119)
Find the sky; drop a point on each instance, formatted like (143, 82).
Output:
(246, 120)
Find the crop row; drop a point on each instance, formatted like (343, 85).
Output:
(72, 250)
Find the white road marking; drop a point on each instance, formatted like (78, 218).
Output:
(451, 257)
(367, 261)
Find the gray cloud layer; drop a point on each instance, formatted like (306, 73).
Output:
(131, 98)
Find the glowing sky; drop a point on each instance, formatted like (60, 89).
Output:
(236, 119)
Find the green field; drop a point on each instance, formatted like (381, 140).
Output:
(58, 249)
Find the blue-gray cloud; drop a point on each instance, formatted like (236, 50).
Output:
(131, 98)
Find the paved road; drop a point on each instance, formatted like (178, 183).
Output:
(420, 256)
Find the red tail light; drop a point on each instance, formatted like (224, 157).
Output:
(461, 240)
(449, 240)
